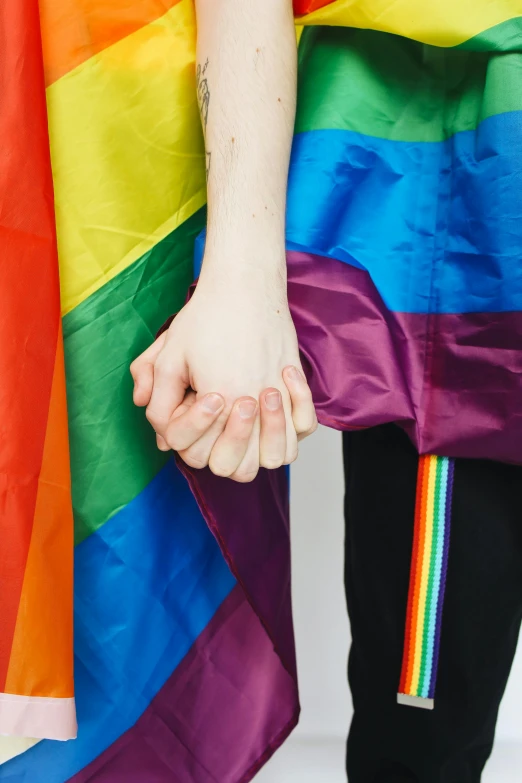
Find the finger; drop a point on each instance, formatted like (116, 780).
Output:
(272, 441)
(187, 428)
(230, 448)
(142, 371)
(198, 455)
(303, 411)
(188, 402)
(292, 447)
(168, 391)
(162, 444)
(249, 466)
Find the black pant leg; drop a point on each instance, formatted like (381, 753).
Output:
(391, 743)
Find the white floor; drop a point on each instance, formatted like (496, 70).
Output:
(322, 761)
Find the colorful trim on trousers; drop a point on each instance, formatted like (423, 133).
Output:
(427, 581)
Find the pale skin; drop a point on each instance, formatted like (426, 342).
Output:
(224, 385)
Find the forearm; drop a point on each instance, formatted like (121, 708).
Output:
(246, 73)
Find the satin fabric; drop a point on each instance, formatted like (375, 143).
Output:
(403, 236)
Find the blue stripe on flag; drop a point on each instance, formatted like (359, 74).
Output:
(147, 583)
(438, 225)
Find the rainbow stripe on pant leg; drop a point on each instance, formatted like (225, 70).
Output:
(427, 581)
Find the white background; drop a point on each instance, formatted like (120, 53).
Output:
(316, 751)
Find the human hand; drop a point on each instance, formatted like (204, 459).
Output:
(247, 403)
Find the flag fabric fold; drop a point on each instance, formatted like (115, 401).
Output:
(36, 529)
(403, 236)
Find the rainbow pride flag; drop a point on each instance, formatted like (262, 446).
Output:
(405, 282)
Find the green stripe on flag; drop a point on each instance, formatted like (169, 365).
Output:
(504, 37)
(394, 88)
(113, 449)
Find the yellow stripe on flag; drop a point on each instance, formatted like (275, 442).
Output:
(127, 152)
(441, 23)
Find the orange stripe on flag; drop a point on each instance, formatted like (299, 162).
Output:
(73, 31)
(42, 662)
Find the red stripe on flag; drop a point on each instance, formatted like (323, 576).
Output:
(29, 297)
(302, 7)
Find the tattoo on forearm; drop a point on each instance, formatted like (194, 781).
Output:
(203, 92)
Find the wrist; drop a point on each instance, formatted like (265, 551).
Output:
(253, 231)
(260, 263)
(237, 277)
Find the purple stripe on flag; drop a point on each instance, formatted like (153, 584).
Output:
(453, 381)
(226, 708)
(251, 524)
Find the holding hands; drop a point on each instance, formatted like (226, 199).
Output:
(223, 386)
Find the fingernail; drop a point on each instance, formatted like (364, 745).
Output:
(273, 400)
(294, 374)
(212, 402)
(247, 408)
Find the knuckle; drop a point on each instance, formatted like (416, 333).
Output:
(151, 417)
(193, 461)
(237, 443)
(217, 464)
(173, 443)
(220, 470)
(308, 428)
(158, 421)
(272, 463)
(244, 477)
(163, 369)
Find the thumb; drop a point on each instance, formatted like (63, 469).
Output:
(142, 371)
(170, 383)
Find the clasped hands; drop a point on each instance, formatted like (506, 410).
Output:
(224, 386)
